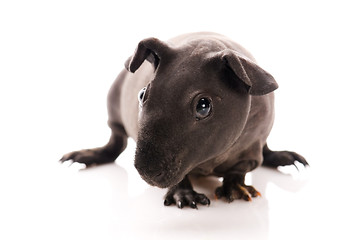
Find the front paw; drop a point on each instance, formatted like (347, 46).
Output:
(185, 197)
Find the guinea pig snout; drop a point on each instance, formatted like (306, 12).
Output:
(155, 167)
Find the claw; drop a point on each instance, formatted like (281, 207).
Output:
(245, 192)
(294, 164)
(202, 199)
(230, 199)
(193, 205)
(180, 204)
(167, 202)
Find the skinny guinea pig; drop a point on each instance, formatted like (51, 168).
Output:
(199, 105)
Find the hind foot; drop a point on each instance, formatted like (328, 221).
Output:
(281, 158)
(234, 188)
(101, 155)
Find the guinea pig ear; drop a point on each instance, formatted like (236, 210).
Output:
(151, 49)
(258, 80)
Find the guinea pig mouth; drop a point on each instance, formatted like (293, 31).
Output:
(158, 176)
(159, 179)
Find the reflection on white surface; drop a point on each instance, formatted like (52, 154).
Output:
(113, 202)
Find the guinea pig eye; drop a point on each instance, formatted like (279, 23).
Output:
(141, 95)
(203, 108)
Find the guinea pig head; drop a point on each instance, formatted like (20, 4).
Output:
(194, 109)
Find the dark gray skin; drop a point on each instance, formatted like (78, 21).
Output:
(206, 108)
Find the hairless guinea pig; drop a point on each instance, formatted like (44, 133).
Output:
(199, 105)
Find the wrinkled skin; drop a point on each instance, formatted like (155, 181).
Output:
(174, 140)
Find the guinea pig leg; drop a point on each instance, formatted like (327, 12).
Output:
(183, 194)
(281, 158)
(108, 153)
(234, 188)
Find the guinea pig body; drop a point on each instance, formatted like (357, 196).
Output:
(197, 104)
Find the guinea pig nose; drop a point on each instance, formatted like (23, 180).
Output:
(154, 174)
(157, 176)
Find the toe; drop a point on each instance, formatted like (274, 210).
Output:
(180, 204)
(202, 199)
(219, 192)
(193, 205)
(67, 157)
(169, 201)
(244, 194)
(300, 159)
(252, 191)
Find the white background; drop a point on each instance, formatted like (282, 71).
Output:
(57, 62)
